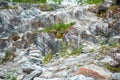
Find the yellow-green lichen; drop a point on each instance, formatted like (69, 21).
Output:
(47, 58)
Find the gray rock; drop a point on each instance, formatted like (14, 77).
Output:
(3, 4)
(117, 56)
(46, 74)
(115, 76)
(37, 61)
(110, 61)
(115, 39)
(108, 2)
(27, 68)
(26, 6)
(113, 63)
(32, 75)
(37, 78)
(80, 77)
(61, 74)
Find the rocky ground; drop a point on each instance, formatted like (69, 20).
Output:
(88, 50)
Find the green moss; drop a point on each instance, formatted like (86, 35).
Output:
(46, 7)
(90, 1)
(91, 51)
(103, 50)
(57, 29)
(10, 76)
(9, 56)
(77, 51)
(114, 8)
(10, 7)
(61, 27)
(15, 38)
(79, 65)
(111, 68)
(94, 1)
(47, 58)
(101, 14)
(115, 44)
(65, 54)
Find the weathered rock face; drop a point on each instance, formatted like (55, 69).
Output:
(16, 25)
(3, 4)
(19, 31)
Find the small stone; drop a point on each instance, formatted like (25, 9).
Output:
(32, 75)
(113, 63)
(115, 76)
(47, 74)
(80, 77)
(61, 74)
(27, 68)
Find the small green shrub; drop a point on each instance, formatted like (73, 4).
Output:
(47, 58)
(57, 29)
(62, 27)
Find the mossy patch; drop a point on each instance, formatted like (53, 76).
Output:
(15, 38)
(57, 29)
(114, 8)
(47, 58)
(9, 56)
(46, 7)
(65, 54)
(94, 1)
(77, 51)
(91, 51)
(101, 14)
(112, 68)
(60, 27)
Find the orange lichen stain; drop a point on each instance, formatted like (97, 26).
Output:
(91, 73)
